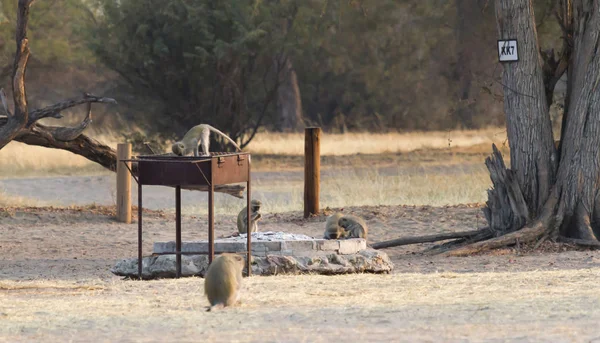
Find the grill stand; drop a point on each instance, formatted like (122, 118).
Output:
(222, 168)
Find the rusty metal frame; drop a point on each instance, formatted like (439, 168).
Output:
(216, 161)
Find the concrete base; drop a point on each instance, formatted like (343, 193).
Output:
(163, 266)
(269, 243)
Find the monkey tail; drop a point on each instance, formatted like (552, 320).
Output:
(224, 135)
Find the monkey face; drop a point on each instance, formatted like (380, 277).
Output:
(255, 205)
(331, 235)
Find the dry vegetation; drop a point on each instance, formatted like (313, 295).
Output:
(375, 143)
(416, 307)
(434, 168)
(21, 160)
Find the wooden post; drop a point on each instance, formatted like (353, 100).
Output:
(123, 184)
(312, 170)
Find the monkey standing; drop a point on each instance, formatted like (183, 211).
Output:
(355, 226)
(199, 134)
(255, 216)
(333, 230)
(223, 280)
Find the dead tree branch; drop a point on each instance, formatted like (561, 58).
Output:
(18, 120)
(544, 224)
(66, 134)
(425, 239)
(54, 110)
(506, 209)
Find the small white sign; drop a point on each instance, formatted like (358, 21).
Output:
(507, 50)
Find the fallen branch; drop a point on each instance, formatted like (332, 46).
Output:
(461, 242)
(544, 224)
(425, 239)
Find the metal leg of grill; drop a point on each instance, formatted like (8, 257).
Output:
(178, 230)
(139, 231)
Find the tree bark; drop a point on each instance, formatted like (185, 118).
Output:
(18, 120)
(532, 151)
(579, 170)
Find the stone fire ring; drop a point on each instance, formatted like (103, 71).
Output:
(273, 253)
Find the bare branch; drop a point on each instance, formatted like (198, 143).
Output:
(19, 95)
(70, 133)
(54, 110)
(16, 122)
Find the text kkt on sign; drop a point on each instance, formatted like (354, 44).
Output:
(507, 50)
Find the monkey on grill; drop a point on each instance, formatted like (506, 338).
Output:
(199, 134)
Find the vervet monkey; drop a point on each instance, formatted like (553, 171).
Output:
(255, 216)
(223, 280)
(333, 230)
(355, 226)
(199, 134)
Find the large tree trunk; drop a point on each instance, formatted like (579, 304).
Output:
(579, 170)
(562, 196)
(289, 103)
(532, 152)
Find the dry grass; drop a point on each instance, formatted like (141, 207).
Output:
(402, 187)
(443, 306)
(437, 177)
(21, 160)
(375, 143)
(10, 201)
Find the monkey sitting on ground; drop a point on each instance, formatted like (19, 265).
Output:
(255, 216)
(355, 226)
(199, 134)
(333, 230)
(223, 280)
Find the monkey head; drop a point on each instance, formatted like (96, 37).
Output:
(178, 148)
(255, 205)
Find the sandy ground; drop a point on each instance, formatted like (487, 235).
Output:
(55, 285)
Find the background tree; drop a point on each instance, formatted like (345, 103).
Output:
(207, 62)
(553, 194)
